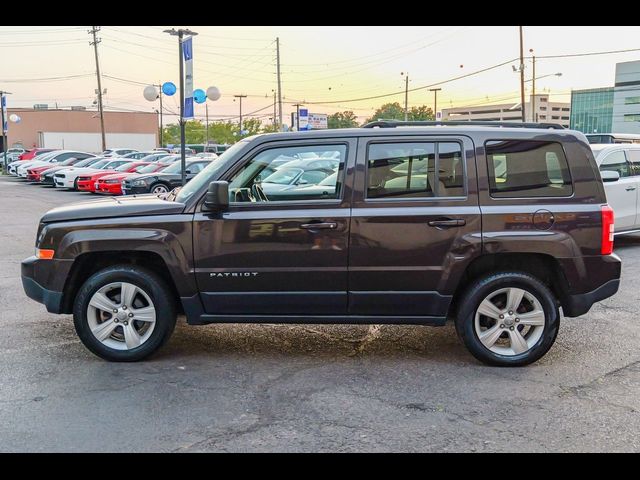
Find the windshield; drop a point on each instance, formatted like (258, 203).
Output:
(99, 164)
(283, 176)
(148, 168)
(69, 161)
(125, 167)
(205, 176)
(85, 162)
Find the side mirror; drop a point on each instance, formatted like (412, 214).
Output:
(302, 182)
(188, 172)
(610, 176)
(217, 196)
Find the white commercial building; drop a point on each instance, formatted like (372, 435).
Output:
(537, 109)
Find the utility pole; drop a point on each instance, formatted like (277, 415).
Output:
(95, 42)
(183, 158)
(522, 75)
(4, 131)
(435, 100)
(240, 97)
(534, 115)
(279, 82)
(275, 121)
(406, 96)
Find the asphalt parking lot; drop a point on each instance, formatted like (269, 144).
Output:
(307, 387)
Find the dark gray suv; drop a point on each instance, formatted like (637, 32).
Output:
(494, 227)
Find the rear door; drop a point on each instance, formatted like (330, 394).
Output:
(415, 224)
(622, 195)
(633, 156)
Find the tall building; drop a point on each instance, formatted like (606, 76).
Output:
(537, 109)
(611, 109)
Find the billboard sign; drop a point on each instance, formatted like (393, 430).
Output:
(310, 121)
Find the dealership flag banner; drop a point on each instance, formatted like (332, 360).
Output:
(187, 51)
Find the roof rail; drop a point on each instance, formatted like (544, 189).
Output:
(429, 123)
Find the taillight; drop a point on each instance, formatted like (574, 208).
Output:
(606, 247)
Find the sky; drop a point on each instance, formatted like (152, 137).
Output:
(327, 69)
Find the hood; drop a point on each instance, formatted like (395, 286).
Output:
(117, 176)
(80, 171)
(113, 207)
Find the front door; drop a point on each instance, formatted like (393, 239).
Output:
(622, 194)
(415, 224)
(282, 247)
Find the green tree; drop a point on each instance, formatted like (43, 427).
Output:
(421, 113)
(346, 119)
(270, 128)
(395, 111)
(388, 111)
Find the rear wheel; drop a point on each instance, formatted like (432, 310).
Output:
(508, 319)
(124, 313)
(158, 188)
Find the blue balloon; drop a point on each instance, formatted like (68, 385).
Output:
(169, 88)
(199, 96)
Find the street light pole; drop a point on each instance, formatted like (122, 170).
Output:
(206, 116)
(534, 114)
(183, 162)
(161, 125)
(435, 100)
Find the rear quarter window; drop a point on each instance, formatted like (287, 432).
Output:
(527, 168)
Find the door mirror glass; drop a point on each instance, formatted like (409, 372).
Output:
(610, 176)
(188, 172)
(217, 196)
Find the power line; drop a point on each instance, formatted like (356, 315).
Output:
(587, 54)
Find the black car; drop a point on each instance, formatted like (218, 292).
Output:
(164, 181)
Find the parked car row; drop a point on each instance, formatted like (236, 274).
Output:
(154, 171)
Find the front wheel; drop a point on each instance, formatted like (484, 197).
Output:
(159, 188)
(124, 313)
(508, 319)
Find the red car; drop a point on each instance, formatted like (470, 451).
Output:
(113, 183)
(33, 174)
(31, 154)
(87, 183)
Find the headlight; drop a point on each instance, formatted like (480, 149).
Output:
(138, 183)
(111, 181)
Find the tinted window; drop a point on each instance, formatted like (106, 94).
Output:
(408, 170)
(634, 157)
(267, 178)
(616, 162)
(527, 168)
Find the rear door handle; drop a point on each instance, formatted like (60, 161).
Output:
(630, 189)
(319, 226)
(447, 222)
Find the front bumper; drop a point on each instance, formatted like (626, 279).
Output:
(112, 188)
(64, 182)
(86, 185)
(42, 281)
(135, 190)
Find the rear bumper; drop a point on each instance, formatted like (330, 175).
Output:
(600, 276)
(576, 305)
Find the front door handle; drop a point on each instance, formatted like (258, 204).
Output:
(630, 189)
(319, 226)
(447, 222)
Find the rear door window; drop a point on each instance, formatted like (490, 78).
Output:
(616, 162)
(527, 168)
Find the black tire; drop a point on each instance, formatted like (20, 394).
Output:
(153, 286)
(75, 184)
(159, 184)
(479, 290)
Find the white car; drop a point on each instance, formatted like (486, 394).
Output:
(117, 152)
(619, 165)
(67, 178)
(51, 158)
(13, 167)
